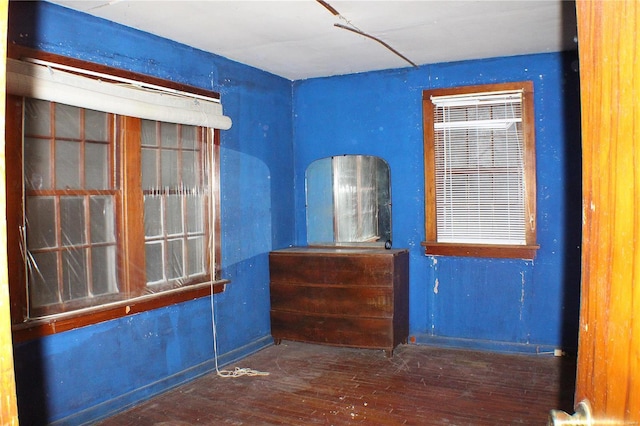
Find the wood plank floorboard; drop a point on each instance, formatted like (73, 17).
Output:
(323, 385)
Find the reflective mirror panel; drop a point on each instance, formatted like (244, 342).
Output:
(348, 201)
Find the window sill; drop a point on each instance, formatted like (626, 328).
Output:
(53, 324)
(527, 252)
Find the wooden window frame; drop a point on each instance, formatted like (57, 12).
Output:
(129, 209)
(431, 244)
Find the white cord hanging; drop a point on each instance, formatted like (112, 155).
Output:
(237, 372)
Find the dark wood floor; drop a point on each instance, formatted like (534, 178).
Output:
(420, 385)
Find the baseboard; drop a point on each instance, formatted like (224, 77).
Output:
(485, 345)
(130, 399)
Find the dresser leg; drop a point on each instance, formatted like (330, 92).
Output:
(388, 353)
(277, 341)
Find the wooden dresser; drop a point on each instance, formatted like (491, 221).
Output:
(340, 296)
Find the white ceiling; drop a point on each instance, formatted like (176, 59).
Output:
(297, 39)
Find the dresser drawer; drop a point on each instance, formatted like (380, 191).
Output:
(346, 331)
(342, 300)
(353, 270)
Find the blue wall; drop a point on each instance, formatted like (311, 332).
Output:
(82, 374)
(506, 305)
(279, 127)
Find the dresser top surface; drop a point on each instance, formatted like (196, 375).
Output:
(340, 251)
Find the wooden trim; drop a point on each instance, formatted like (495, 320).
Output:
(131, 229)
(69, 321)
(20, 52)
(430, 213)
(217, 225)
(527, 252)
(529, 134)
(481, 88)
(608, 373)
(15, 205)
(432, 247)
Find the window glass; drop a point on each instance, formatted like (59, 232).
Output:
(74, 274)
(67, 165)
(37, 169)
(150, 168)
(196, 256)
(67, 122)
(169, 135)
(95, 125)
(41, 222)
(43, 279)
(96, 166)
(170, 170)
(103, 275)
(72, 221)
(102, 220)
(174, 214)
(153, 216)
(39, 117)
(154, 254)
(175, 257)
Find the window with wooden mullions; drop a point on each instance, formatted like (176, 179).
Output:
(175, 202)
(480, 171)
(70, 205)
(114, 207)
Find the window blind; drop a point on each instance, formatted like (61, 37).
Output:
(479, 162)
(49, 82)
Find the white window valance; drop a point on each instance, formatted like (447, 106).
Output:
(51, 82)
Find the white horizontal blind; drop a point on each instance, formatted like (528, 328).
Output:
(51, 83)
(479, 157)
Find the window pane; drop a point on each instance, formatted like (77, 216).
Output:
(196, 256)
(96, 166)
(189, 137)
(149, 168)
(67, 165)
(169, 135)
(95, 125)
(152, 216)
(154, 261)
(72, 220)
(43, 279)
(149, 133)
(74, 274)
(195, 214)
(37, 118)
(37, 163)
(67, 122)
(170, 169)
(174, 214)
(41, 222)
(190, 169)
(102, 219)
(103, 263)
(175, 256)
